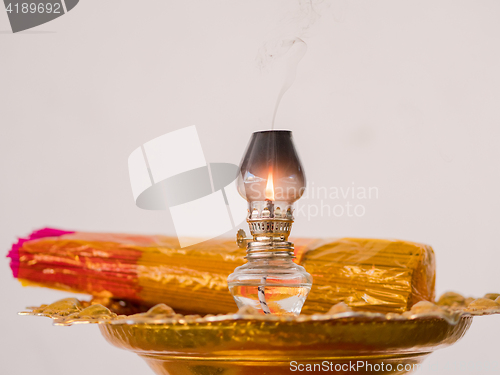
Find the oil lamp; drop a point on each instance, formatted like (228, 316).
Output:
(271, 179)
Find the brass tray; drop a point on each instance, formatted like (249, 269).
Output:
(249, 344)
(243, 346)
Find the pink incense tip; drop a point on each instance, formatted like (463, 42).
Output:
(41, 233)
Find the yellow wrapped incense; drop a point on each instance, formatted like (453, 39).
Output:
(366, 274)
(370, 274)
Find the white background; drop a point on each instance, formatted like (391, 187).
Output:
(401, 95)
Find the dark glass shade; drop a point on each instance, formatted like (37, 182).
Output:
(271, 169)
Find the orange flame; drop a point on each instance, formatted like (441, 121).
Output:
(270, 187)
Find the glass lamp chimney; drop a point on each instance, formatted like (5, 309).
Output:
(271, 179)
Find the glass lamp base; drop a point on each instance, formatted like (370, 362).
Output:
(273, 285)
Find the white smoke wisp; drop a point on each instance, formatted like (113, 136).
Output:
(279, 57)
(277, 77)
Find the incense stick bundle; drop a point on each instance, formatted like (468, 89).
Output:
(366, 274)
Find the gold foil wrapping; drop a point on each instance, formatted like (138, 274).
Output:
(366, 274)
(370, 274)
